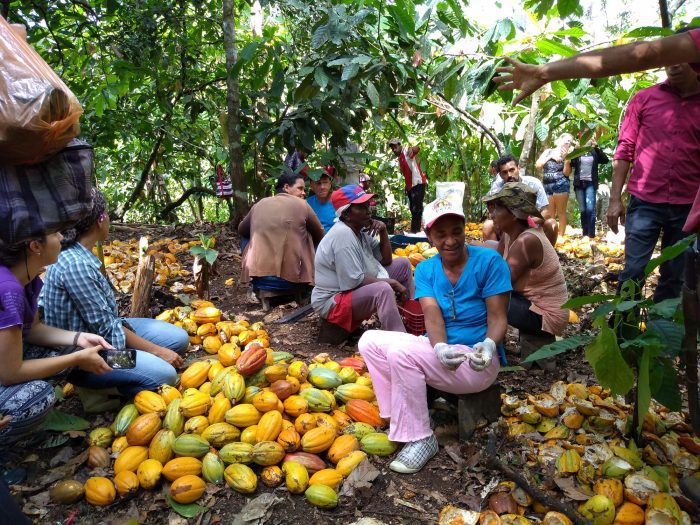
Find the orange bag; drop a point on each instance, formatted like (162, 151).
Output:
(39, 113)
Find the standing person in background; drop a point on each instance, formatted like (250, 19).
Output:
(296, 161)
(660, 140)
(556, 178)
(586, 185)
(414, 179)
(320, 201)
(366, 183)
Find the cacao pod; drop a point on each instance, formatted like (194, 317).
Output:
(213, 468)
(143, 428)
(100, 491)
(126, 483)
(67, 491)
(322, 496)
(130, 459)
(149, 473)
(187, 489)
(178, 467)
(241, 478)
(296, 477)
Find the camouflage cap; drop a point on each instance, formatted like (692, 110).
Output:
(516, 196)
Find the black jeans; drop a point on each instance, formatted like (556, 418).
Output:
(521, 317)
(415, 204)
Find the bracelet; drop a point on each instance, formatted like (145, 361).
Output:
(75, 339)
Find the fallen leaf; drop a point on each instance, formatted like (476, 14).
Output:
(391, 490)
(488, 488)
(569, 487)
(414, 506)
(61, 456)
(37, 505)
(360, 479)
(64, 471)
(257, 511)
(75, 433)
(454, 451)
(229, 282)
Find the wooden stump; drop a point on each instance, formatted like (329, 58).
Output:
(331, 334)
(530, 343)
(473, 407)
(141, 300)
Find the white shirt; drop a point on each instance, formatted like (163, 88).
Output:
(532, 182)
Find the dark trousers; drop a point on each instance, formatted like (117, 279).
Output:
(415, 204)
(644, 222)
(585, 195)
(521, 317)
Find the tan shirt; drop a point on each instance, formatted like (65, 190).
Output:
(282, 231)
(544, 286)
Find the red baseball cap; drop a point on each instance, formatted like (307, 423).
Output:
(350, 194)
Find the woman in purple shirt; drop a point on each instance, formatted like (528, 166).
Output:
(25, 398)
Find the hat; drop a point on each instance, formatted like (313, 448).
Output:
(441, 207)
(364, 177)
(394, 141)
(350, 194)
(517, 196)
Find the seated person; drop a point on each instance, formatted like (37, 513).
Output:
(283, 231)
(77, 296)
(25, 396)
(508, 171)
(463, 292)
(539, 288)
(320, 201)
(355, 273)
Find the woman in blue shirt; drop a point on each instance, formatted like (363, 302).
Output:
(464, 293)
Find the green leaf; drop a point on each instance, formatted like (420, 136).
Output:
(373, 95)
(605, 357)
(668, 253)
(320, 77)
(60, 421)
(559, 347)
(404, 16)
(211, 255)
(559, 89)
(189, 510)
(669, 333)
(665, 384)
(578, 152)
(578, 302)
(648, 31)
(666, 308)
(643, 388)
(511, 369)
(550, 47)
(442, 125)
(566, 7)
(58, 393)
(349, 72)
(54, 440)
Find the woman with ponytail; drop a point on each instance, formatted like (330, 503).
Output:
(77, 296)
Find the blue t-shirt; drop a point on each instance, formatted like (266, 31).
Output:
(324, 212)
(463, 307)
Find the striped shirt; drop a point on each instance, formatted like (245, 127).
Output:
(77, 296)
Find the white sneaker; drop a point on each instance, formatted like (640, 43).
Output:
(415, 455)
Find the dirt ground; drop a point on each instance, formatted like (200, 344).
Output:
(457, 475)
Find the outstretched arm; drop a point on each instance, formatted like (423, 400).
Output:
(637, 56)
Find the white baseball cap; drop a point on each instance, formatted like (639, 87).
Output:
(441, 207)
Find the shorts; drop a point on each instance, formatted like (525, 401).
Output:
(560, 186)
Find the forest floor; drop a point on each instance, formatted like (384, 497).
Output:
(457, 475)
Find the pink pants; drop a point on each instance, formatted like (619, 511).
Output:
(379, 297)
(401, 366)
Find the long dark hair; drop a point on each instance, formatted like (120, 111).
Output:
(12, 254)
(99, 206)
(288, 178)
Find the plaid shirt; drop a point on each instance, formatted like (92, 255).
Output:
(77, 296)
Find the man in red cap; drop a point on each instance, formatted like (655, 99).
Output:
(414, 179)
(355, 274)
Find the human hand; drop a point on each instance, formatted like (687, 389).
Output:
(169, 356)
(4, 422)
(86, 340)
(375, 227)
(399, 290)
(616, 212)
(449, 355)
(90, 360)
(525, 77)
(482, 355)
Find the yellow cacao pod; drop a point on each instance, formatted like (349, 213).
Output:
(178, 467)
(346, 465)
(317, 439)
(299, 370)
(195, 374)
(296, 477)
(100, 491)
(126, 483)
(304, 423)
(149, 473)
(236, 452)
(269, 426)
(241, 478)
(213, 468)
(267, 453)
(289, 439)
(272, 476)
(130, 458)
(229, 354)
(343, 446)
(328, 476)
(265, 401)
(187, 489)
(195, 404)
(249, 434)
(196, 425)
(243, 415)
(219, 434)
(214, 370)
(161, 447)
(142, 430)
(119, 444)
(101, 437)
(168, 393)
(148, 402)
(296, 406)
(233, 386)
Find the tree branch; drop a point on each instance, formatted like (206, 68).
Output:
(445, 104)
(191, 191)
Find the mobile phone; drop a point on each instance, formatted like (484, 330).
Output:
(119, 359)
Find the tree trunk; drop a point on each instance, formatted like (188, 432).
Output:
(235, 150)
(665, 14)
(529, 132)
(5, 9)
(141, 300)
(200, 271)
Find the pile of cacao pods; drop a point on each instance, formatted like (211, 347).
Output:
(121, 261)
(261, 415)
(202, 322)
(578, 432)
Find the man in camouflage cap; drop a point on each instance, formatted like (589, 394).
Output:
(519, 198)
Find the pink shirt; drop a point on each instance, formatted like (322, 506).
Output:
(695, 35)
(660, 136)
(693, 222)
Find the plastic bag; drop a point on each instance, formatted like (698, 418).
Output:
(453, 190)
(39, 113)
(46, 197)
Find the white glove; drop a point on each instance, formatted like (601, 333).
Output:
(482, 355)
(449, 355)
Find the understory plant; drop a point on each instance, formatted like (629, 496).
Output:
(636, 342)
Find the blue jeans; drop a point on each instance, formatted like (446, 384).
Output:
(585, 195)
(559, 186)
(644, 223)
(151, 371)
